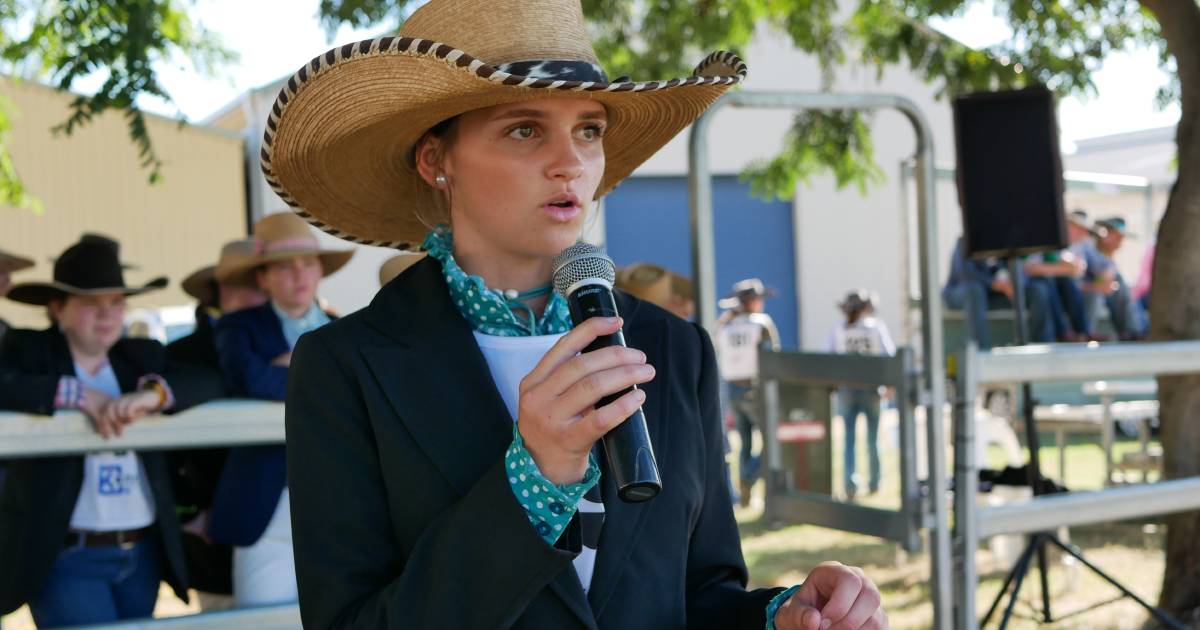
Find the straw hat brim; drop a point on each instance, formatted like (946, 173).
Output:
(338, 138)
(42, 293)
(11, 263)
(242, 272)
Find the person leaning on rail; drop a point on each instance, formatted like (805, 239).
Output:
(196, 472)
(250, 505)
(85, 539)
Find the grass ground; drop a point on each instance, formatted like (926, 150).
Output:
(1132, 551)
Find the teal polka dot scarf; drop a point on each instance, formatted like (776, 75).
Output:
(489, 311)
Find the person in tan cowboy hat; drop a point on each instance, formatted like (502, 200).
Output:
(440, 441)
(197, 472)
(213, 299)
(104, 523)
(660, 286)
(9, 264)
(254, 346)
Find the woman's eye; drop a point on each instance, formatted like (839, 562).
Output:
(592, 132)
(522, 132)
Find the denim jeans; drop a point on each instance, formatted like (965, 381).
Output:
(1047, 317)
(1071, 293)
(852, 402)
(92, 585)
(1127, 315)
(745, 411)
(975, 300)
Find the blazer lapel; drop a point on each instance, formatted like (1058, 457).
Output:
(60, 354)
(462, 424)
(127, 373)
(274, 327)
(435, 377)
(623, 521)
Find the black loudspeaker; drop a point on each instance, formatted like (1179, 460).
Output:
(1010, 182)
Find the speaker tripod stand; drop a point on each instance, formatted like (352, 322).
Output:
(1039, 541)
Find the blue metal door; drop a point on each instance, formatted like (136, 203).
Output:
(646, 220)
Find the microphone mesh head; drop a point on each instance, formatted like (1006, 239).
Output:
(582, 261)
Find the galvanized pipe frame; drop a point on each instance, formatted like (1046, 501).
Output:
(1048, 363)
(830, 371)
(216, 423)
(933, 369)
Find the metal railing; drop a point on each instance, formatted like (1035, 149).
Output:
(217, 423)
(933, 393)
(1043, 513)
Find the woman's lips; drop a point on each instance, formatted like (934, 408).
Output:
(561, 214)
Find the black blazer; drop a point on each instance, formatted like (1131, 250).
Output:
(39, 494)
(254, 476)
(195, 471)
(402, 514)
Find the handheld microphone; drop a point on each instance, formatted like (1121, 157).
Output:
(584, 275)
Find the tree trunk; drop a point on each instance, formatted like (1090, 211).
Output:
(1175, 310)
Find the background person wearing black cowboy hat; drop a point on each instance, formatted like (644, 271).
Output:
(9, 264)
(195, 473)
(250, 508)
(741, 330)
(862, 333)
(86, 539)
(408, 421)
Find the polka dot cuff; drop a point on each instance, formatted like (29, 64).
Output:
(548, 507)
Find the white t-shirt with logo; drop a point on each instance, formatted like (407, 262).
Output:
(510, 360)
(115, 494)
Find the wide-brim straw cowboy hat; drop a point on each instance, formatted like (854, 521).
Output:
(13, 263)
(339, 140)
(201, 284)
(278, 237)
(90, 267)
(397, 265)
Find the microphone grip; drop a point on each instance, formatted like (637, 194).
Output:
(627, 446)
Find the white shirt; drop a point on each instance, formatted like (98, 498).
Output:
(868, 335)
(737, 344)
(115, 494)
(510, 360)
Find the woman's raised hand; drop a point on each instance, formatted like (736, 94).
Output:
(557, 416)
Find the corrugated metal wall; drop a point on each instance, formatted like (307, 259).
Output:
(93, 181)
